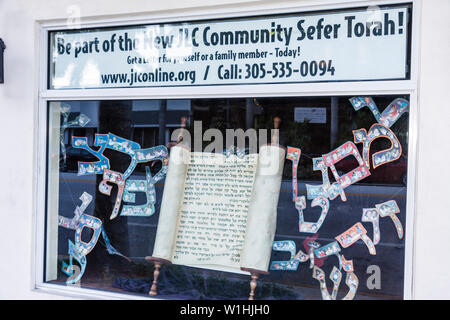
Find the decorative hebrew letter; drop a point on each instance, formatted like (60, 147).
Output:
(353, 234)
(313, 227)
(359, 173)
(76, 270)
(97, 167)
(389, 116)
(116, 178)
(80, 120)
(68, 268)
(390, 208)
(335, 190)
(87, 221)
(125, 146)
(347, 265)
(328, 250)
(351, 279)
(295, 259)
(335, 276)
(372, 215)
(146, 186)
(293, 154)
(80, 249)
(326, 189)
(352, 282)
(154, 153)
(319, 275)
(382, 157)
(361, 102)
(64, 222)
(393, 112)
(313, 191)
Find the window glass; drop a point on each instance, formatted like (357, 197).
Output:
(86, 247)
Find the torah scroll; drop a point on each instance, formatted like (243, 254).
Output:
(219, 212)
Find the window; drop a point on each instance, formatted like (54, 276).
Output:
(320, 84)
(316, 125)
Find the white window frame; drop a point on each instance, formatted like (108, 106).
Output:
(398, 87)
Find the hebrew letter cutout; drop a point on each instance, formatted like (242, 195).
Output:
(295, 259)
(154, 153)
(352, 282)
(351, 177)
(393, 112)
(125, 146)
(87, 221)
(313, 191)
(146, 186)
(353, 234)
(103, 187)
(293, 154)
(347, 265)
(372, 215)
(335, 276)
(328, 250)
(80, 120)
(97, 167)
(313, 227)
(68, 269)
(390, 208)
(389, 116)
(361, 102)
(64, 222)
(382, 157)
(326, 189)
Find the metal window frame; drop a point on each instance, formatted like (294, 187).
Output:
(44, 95)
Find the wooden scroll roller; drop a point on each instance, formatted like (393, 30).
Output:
(158, 263)
(254, 275)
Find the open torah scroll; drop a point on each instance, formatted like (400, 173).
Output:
(220, 212)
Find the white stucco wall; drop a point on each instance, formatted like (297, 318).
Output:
(18, 103)
(432, 236)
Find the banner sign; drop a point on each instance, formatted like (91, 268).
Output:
(350, 45)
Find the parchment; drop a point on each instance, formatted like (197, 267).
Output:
(171, 202)
(219, 212)
(262, 216)
(213, 214)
